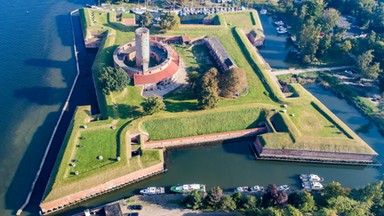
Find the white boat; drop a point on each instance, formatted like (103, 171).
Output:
(263, 11)
(256, 188)
(283, 187)
(279, 23)
(312, 186)
(138, 11)
(310, 178)
(242, 189)
(187, 188)
(282, 31)
(152, 190)
(153, 10)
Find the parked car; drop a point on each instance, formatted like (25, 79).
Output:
(135, 207)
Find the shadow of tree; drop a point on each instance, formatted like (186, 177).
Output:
(180, 106)
(128, 111)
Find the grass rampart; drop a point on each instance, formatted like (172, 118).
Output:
(203, 123)
(249, 53)
(282, 123)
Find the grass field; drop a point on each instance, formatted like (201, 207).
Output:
(206, 123)
(312, 127)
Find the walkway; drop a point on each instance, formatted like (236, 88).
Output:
(298, 71)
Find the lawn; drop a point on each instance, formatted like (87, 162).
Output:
(203, 123)
(312, 127)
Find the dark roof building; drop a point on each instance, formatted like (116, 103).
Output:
(223, 60)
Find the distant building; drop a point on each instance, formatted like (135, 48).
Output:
(218, 52)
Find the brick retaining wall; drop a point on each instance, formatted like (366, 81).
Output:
(58, 204)
(204, 138)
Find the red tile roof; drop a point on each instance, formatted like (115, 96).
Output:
(157, 77)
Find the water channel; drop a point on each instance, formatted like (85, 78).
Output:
(231, 164)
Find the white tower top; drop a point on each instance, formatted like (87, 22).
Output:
(142, 48)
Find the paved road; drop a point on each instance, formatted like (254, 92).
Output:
(297, 71)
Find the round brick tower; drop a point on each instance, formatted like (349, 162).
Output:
(142, 48)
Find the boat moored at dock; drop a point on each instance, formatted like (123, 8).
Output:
(152, 191)
(310, 178)
(187, 188)
(242, 189)
(312, 186)
(283, 187)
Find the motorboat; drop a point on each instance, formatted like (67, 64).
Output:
(283, 187)
(256, 188)
(242, 189)
(279, 23)
(187, 188)
(263, 11)
(152, 191)
(310, 178)
(312, 186)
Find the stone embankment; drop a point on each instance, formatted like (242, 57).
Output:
(193, 140)
(297, 155)
(79, 196)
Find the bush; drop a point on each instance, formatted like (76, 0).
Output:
(153, 104)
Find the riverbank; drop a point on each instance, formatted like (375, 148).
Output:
(165, 204)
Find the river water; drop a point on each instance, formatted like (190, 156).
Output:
(38, 69)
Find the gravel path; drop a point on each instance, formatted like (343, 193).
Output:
(167, 205)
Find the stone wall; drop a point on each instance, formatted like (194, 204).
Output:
(191, 140)
(58, 204)
(312, 156)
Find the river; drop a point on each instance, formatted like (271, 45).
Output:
(38, 69)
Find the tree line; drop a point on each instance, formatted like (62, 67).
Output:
(332, 201)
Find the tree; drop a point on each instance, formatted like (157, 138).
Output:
(346, 206)
(250, 203)
(292, 211)
(366, 66)
(238, 198)
(378, 19)
(111, 79)
(326, 212)
(334, 189)
(195, 200)
(226, 203)
(208, 90)
(146, 19)
(324, 45)
(309, 41)
(153, 104)
(329, 19)
(169, 21)
(232, 82)
(306, 203)
(346, 46)
(270, 195)
(192, 79)
(214, 196)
